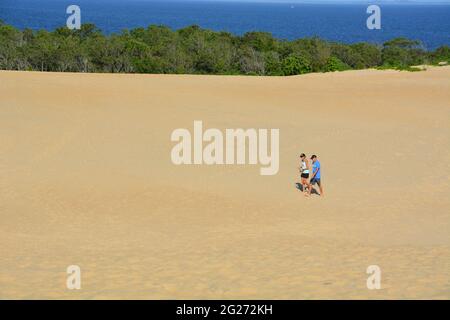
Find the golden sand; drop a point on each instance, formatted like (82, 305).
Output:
(86, 179)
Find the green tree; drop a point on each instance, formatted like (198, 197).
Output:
(368, 55)
(260, 41)
(159, 49)
(442, 54)
(251, 62)
(335, 64)
(273, 63)
(402, 52)
(294, 64)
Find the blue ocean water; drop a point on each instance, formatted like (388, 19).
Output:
(343, 23)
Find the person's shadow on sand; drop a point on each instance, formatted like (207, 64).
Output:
(300, 187)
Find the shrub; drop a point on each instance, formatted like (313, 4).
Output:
(334, 64)
(294, 64)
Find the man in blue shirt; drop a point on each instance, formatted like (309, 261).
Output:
(315, 176)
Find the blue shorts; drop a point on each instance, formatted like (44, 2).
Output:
(314, 181)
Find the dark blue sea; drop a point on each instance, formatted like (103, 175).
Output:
(343, 23)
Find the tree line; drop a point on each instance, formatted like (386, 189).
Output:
(193, 50)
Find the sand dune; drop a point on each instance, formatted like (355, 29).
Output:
(86, 179)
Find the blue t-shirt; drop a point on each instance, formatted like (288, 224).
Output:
(316, 167)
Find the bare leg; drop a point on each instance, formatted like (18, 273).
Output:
(303, 181)
(321, 189)
(307, 188)
(310, 188)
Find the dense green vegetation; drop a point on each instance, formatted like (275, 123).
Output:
(193, 50)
